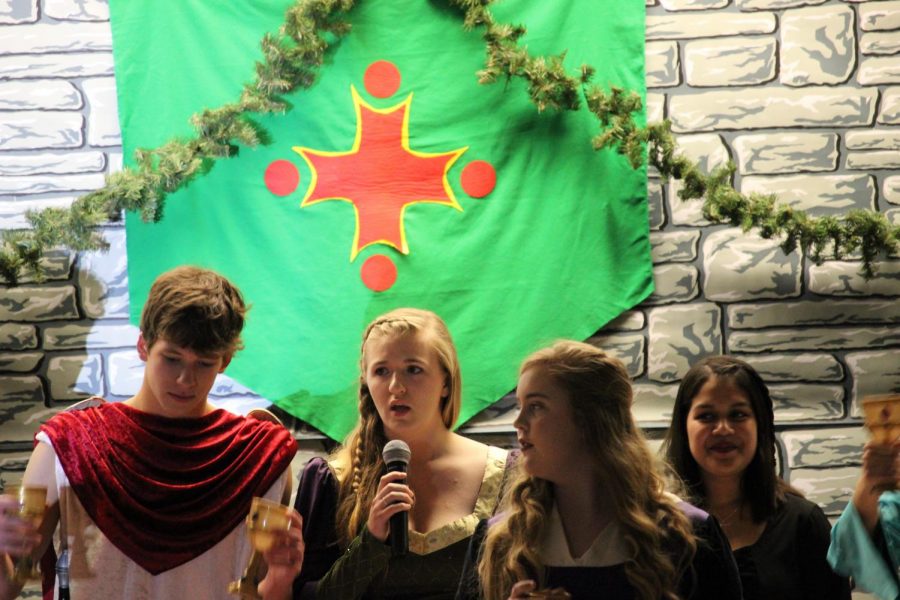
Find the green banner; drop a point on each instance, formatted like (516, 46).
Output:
(396, 180)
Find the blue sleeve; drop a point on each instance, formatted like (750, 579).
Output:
(853, 553)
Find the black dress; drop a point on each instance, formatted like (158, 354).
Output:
(712, 574)
(788, 561)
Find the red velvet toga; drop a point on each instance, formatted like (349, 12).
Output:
(165, 490)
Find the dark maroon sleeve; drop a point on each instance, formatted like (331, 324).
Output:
(317, 503)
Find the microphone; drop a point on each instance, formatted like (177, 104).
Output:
(396, 457)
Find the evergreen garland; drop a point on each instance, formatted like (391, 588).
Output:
(291, 60)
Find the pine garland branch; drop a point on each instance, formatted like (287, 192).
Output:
(290, 61)
(865, 231)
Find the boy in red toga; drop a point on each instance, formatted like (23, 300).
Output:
(149, 495)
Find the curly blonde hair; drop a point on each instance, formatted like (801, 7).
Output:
(358, 463)
(658, 536)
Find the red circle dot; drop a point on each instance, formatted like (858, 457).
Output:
(382, 79)
(282, 177)
(478, 178)
(378, 273)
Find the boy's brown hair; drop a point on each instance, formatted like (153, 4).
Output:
(194, 308)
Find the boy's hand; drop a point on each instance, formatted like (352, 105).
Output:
(17, 536)
(284, 560)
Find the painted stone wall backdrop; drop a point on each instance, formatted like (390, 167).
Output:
(803, 95)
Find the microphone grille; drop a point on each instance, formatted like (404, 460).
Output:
(396, 451)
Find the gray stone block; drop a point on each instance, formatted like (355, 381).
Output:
(497, 417)
(813, 338)
(75, 377)
(95, 336)
(889, 114)
(700, 25)
(16, 336)
(817, 194)
(838, 278)
(44, 38)
(56, 163)
(653, 404)
(879, 16)
(50, 184)
(674, 283)
(818, 45)
(627, 347)
(114, 159)
(805, 366)
(29, 303)
(873, 139)
(772, 107)
(125, 373)
(807, 402)
(226, 386)
(873, 373)
(891, 189)
(20, 388)
(811, 313)
(56, 264)
(39, 94)
(19, 362)
(871, 161)
(676, 5)
(837, 447)
(786, 152)
(103, 278)
(773, 4)
(878, 70)
(893, 217)
(737, 61)
(879, 43)
(20, 419)
(674, 246)
(13, 12)
(679, 336)
(103, 122)
(743, 266)
(77, 10)
(829, 488)
(77, 64)
(35, 130)
(656, 107)
(12, 213)
(632, 320)
(655, 203)
(12, 465)
(662, 66)
(708, 151)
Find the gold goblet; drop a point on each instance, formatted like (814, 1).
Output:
(32, 501)
(264, 522)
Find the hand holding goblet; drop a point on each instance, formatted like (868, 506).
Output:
(26, 504)
(266, 523)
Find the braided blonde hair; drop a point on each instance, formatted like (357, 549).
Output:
(358, 463)
(658, 536)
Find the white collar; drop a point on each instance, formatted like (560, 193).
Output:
(607, 549)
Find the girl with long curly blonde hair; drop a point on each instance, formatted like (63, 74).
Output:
(588, 511)
(409, 390)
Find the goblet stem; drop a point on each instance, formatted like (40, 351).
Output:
(245, 587)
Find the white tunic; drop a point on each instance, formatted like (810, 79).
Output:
(99, 570)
